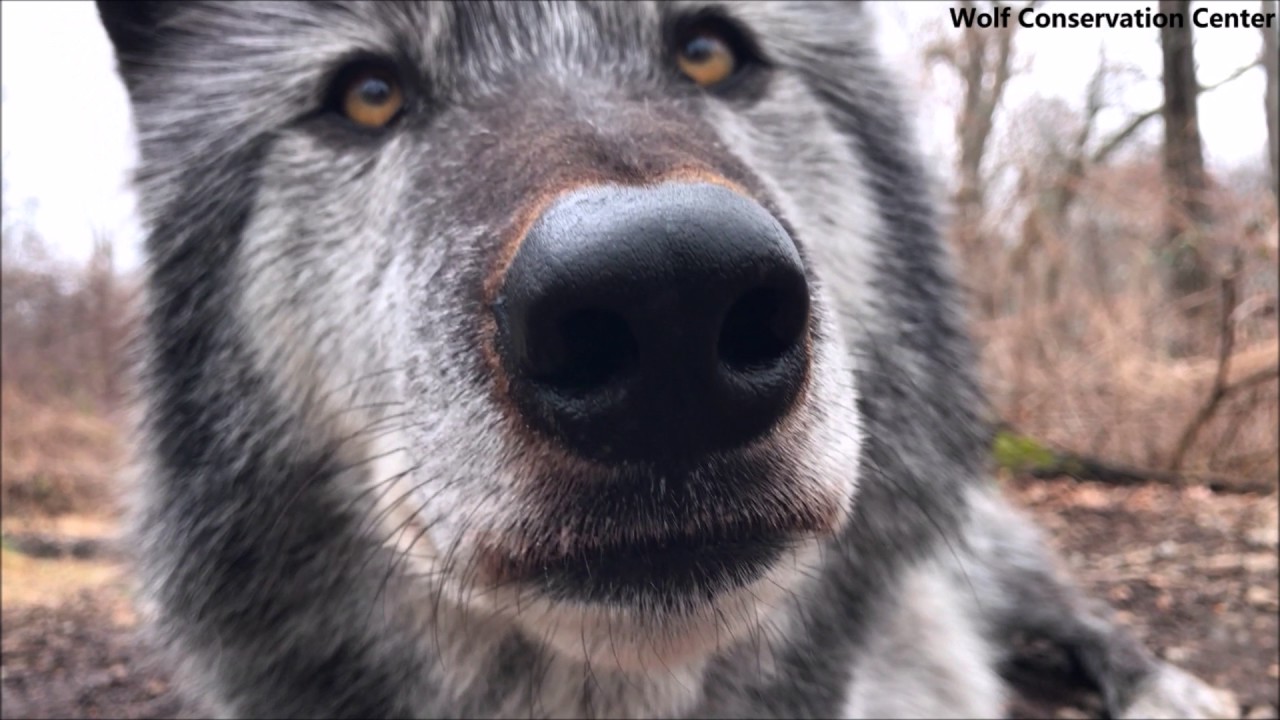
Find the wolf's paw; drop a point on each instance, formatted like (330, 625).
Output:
(1175, 693)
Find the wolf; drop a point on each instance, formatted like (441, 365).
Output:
(567, 360)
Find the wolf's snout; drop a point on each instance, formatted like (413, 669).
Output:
(651, 323)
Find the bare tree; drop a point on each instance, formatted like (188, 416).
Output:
(1054, 178)
(104, 321)
(1186, 267)
(1271, 61)
(982, 58)
(1067, 148)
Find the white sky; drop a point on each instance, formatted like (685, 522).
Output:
(67, 142)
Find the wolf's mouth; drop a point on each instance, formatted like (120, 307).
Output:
(668, 573)
(670, 539)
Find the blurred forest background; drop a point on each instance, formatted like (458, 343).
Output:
(1123, 294)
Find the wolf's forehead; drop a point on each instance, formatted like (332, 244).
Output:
(490, 39)
(583, 26)
(442, 33)
(290, 46)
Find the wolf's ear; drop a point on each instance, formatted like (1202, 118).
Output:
(133, 25)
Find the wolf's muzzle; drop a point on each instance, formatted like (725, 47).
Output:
(654, 322)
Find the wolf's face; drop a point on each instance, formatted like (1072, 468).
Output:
(547, 276)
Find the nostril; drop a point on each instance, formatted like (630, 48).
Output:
(590, 347)
(760, 328)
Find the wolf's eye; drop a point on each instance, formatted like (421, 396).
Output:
(706, 58)
(371, 96)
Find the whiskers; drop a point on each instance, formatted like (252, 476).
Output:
(414, 540)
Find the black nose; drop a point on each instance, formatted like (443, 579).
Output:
(652, 323)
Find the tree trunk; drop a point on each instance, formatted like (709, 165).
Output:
(101, 290)
(983, 61)
(1184, 251)
(1271, 62)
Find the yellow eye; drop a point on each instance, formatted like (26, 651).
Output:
(706, 59)
(372, 97)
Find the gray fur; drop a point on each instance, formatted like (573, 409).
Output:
(323, 446)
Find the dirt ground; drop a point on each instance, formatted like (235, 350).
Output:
(1194, 574)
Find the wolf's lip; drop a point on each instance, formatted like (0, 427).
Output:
(673, 569)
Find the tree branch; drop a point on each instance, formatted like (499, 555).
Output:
(1234, 74)
(1226, 342)
(1115, 141)
(1021, 454)
(1136, 123)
